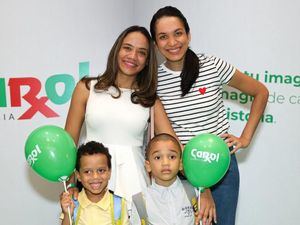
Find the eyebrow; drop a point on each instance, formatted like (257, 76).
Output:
(178, 29)
(145, 49)
(172, 150)
(99, 166)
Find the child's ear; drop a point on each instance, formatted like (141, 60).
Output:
(180, 165)
(109, 173)
(147, 166)
(77, 175)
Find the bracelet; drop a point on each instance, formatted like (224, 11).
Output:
(71, 185)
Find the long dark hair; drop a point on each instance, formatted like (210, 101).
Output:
(191, 64)
(146, 80)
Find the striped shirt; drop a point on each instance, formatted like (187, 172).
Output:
(202, 109)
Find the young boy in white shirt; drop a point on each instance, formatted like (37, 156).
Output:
(166, 201)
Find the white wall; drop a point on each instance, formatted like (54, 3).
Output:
(255, 36)
(43, 38)
(39, 39)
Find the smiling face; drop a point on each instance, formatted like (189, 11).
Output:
(172, 40)
(94, 175)
(132, 56)
(164, 162)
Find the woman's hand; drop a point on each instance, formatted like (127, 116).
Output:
(207, 212)
(235, 142)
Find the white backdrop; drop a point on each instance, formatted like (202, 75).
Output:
(41, 39)
(68, 38)
(256, 36)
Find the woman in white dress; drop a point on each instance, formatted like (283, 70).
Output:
(115, 108)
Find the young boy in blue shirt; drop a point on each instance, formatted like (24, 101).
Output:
(95, 205)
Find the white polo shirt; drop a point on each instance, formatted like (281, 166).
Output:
(168, 205)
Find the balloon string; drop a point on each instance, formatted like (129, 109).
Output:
(69, 211)
(199, 195)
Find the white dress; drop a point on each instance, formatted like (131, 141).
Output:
(120, 125)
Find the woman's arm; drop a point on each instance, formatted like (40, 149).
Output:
(254, 88)
(161, 120)
(75, 120)
(76, 112)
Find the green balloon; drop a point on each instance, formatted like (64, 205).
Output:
(51, 153)
(206, 159)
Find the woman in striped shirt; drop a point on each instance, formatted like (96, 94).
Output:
(190, 88)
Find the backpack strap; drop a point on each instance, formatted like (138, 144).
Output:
(117, 206)
(76, 212)
(139, 203)
(191, 194)
(151, 122)
(117, 201)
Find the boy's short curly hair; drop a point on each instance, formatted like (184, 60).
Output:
(91, 148)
